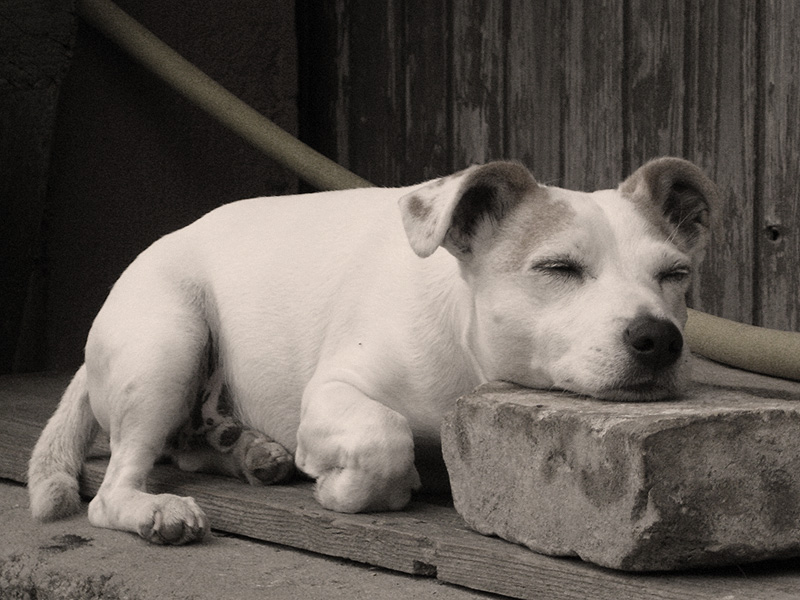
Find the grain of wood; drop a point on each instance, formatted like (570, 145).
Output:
(721, 137)
(593, 127)
(426, 58)
(654, 81)
(478, 80)
(778, 240)
(376, 113)
(534, 87)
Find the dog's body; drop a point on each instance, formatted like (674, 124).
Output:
(338, 341)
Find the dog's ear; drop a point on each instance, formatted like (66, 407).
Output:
(448, 211)
(683, 196)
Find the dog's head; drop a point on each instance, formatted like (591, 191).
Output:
(577, 291)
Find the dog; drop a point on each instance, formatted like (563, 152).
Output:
(343, 326)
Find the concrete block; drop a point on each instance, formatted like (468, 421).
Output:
(711, 479)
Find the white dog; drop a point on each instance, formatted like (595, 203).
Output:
(341, 332)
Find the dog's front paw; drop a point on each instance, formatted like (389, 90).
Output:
(352, 490)
(360, 452)
(360, 473)
(175, 520)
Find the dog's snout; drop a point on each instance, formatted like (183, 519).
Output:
(654, 343)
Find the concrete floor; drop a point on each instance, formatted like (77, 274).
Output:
(72, 560)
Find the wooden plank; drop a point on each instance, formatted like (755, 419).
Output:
(426, 54)
(426, 539)
(593, 128)
(342, 107)
(478, 82)
(323, 39)
(534, 87)
(376, 90)
(654, 80)
(720, 136)
(778, 242)
(319, 87)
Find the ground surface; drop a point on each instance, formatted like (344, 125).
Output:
(71, 559)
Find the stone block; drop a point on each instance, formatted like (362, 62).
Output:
(710, 479)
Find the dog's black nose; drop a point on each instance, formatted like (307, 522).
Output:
(653, 343)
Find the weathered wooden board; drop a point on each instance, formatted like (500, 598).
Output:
(654, 85)
(720, 124)
(779, 199)
(425, 63)
(426, 539)
(594, 67)
(534, 108)
(377, 113)
(477, 80)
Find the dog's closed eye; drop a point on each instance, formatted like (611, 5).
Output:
(562, 267)
(678, 273)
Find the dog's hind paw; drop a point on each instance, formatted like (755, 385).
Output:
(175, 520)
(264, 461)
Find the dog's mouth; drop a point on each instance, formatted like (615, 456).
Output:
(640, 391)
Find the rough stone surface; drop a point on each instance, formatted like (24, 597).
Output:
(708, 480)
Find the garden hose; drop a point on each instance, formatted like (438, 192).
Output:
(199, 88)
(757, 349)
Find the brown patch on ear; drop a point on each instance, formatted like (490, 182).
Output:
(418, 208)
(447, 211)
(677, 197)
(489, 193)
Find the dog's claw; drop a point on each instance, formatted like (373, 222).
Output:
(177, 521)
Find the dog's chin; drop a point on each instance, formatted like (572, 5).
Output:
(641, 390)
(632, 387)
(638, 392)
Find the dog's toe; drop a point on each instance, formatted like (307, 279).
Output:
(175, 521)
(267, 462)
(356, 490)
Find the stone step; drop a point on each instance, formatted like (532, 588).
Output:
(711, 479)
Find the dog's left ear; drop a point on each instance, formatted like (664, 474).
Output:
(448, 211)
(684, 196)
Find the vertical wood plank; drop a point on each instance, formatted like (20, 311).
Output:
(654, 80)
(426, 81)
(593, 143)
(319, 76)
(778, 241)
(376, 90)
(534, 87)
(720, 137)
(342, 104)
(478, 81)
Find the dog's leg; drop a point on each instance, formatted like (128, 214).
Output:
(146, 384)
(360, 452)
(214, 441)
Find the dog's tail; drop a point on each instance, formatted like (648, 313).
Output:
(58, 457)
